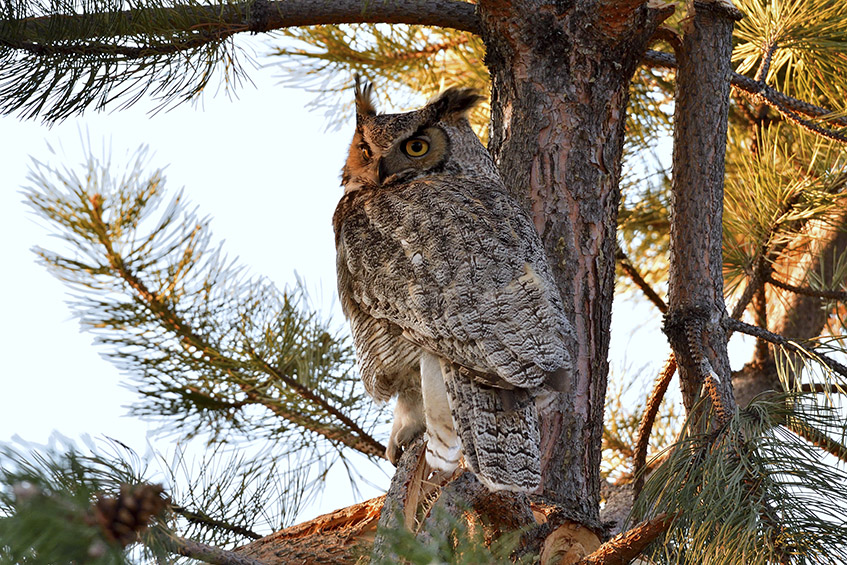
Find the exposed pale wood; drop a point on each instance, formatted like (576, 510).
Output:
(339, 537)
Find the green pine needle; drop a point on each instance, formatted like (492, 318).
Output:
(752, 492)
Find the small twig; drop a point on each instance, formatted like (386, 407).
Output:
(806, 291)
(760, 317)
(755, 331)
(429, 50)
(646, 425)
(753, 87)
(818, 439)
(639, 281)
(821, 388)
(626, 546)
(204, 519)
(205, 553)
(743, 301)
(762, 72)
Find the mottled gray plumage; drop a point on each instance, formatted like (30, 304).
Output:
(450, 298)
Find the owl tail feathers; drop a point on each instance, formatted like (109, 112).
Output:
(442, 453)
(499, 432)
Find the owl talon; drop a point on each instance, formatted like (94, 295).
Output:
(398, 443)
(408, 423)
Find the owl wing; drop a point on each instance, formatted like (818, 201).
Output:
(457, 266)
(388, 362)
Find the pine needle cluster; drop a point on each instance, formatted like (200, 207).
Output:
(212, 352)
(793, 509)
(217, 353)
(404, 63)
(61, 57)
(73, 507)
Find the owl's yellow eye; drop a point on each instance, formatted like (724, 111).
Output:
(366, 152)
(416, 147)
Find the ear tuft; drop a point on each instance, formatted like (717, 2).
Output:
(456, 101)
(364, 101)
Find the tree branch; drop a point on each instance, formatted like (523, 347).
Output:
(205, 553)
(358, 440)
(206, 520)
(773, 97)
(127, 52)
(761, 333)
(257, 16)
(341, 536)
(626, 546)
(765, 66)
(646, 425)
(743, 300)
(818, 439)
(695, 276)
(822, 388)
(806, 291)
(366, 444)
(639, 281)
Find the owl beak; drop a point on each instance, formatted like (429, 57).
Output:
(382, 173)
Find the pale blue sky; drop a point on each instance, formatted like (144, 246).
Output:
(261, 166)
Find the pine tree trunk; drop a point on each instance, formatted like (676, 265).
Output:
(695, 286)
(560, 80)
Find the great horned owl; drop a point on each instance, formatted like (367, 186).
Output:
(450, 298)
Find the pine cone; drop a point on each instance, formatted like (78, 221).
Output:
(126, 516)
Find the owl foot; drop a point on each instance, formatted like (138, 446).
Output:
(408, 424)
(400, 439)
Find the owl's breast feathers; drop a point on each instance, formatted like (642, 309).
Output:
(452, 265)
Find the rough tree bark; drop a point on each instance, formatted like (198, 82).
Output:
(695, 286)
(560, 79)
(561, 71)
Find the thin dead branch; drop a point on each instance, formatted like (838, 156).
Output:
(647, 419)
(806, 291)
(638, 280)
(755, 331)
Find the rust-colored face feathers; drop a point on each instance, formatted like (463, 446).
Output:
(391, 149)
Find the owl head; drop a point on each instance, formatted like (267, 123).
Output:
(392, 149)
